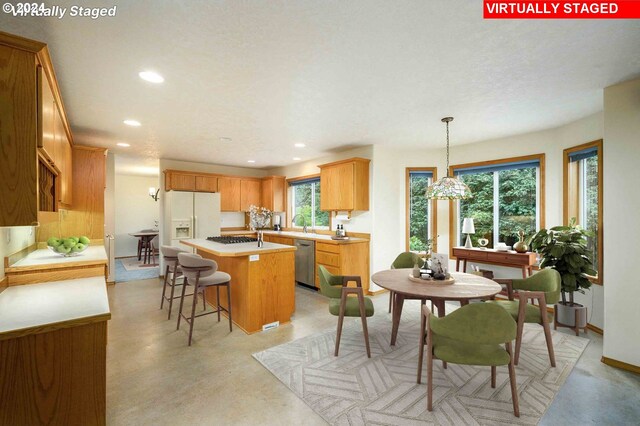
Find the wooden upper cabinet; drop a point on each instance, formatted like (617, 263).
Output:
(63, 162)
(206, 183)
(178, 181)
(47, 116)
(273, 188)
(250, 191)
(344, 185)
(229, 188)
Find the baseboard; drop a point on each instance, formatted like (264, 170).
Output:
(595, 329)
(621, 365)
(375, 293)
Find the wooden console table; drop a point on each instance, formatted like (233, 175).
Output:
(524, 261)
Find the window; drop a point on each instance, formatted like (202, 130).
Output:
(508, 196)
(583, 195)
(421, 213)
(305, 204)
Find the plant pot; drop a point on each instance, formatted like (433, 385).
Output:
(566, 314)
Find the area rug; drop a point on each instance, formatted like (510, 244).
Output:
(352, 389)
(123, 275)
(133, 264)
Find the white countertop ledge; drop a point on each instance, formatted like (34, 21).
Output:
(45, 256)
(239, 249)
(36, 308)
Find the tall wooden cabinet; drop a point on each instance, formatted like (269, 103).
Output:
(273, 189)
(344, 185)
(250, 192)
(35, 165)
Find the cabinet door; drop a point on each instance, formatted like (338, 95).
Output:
(64, 158)
(46, 113)
(206, 184)
(336, 187)
(229, 189)
(267, 194)
(182, 182)
(273, 193)
(249, 194)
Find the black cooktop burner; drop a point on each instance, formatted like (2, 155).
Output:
(231, 239)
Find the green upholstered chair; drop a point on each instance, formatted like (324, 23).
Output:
(335, 287)
(404, 260)
(544, 287)
(470, 335)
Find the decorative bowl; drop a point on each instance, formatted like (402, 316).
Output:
(70, 254)
(432, 281)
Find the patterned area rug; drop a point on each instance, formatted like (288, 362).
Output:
(133, 264)
(134, 274)
(352, 389)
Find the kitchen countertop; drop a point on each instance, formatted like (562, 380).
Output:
(39, 308)
(302, 236)
(45, 258)
(236, 250)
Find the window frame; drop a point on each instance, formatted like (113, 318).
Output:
(566, 194)
(290, 211)
(540, 192)
(434, 206)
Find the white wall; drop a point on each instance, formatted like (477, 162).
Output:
(134, 210)
(622, 230)
(14, 239)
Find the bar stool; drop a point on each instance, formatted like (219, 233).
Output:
(170, 256)
(202, 273)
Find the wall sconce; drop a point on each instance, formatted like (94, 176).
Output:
(153, 193)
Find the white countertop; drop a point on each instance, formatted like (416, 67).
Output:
(36, 308)
(239, 249)
(299, 235)
(45, 256)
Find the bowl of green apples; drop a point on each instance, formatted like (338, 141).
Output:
(67, 247)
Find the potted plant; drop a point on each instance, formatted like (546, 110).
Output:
(564, 248)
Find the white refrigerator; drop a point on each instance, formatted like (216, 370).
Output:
(193, 215)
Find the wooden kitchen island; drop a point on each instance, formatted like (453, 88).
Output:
(262, 281)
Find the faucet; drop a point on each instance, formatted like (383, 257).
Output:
(304, 222)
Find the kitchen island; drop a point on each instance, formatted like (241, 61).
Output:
(262, 281)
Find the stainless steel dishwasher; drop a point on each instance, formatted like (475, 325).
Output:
(305, 262)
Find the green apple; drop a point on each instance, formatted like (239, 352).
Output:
(53, 242)
(69, 242)
(62, 249)
(76, 239)
(84, 240)
(77, 248)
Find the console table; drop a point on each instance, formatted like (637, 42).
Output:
(524, 261)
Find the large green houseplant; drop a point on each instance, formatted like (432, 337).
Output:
(564, 248)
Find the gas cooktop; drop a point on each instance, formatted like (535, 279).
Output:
(231, 239)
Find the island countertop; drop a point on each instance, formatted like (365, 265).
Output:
(39, 308)
(236, 250)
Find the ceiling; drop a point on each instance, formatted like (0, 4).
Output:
(328, 74)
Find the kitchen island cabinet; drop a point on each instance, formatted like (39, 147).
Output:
(262, 281)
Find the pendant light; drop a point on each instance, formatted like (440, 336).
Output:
(448, 188)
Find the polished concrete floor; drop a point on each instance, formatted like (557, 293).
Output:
(153, 378)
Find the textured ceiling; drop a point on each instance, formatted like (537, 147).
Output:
(268, 74)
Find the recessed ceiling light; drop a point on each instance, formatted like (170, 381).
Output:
(225, 140)
(299, 145)
(151, 77)
(251, 161)
(134, 123)
(296, 158)
(123, 144)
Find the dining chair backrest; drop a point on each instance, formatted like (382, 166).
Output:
(330, 285)
(476, 323)
(407, 260)
(191, 263)
(547, 280)
(171, 252)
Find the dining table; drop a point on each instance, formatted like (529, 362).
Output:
(465, 287)
(146, 237)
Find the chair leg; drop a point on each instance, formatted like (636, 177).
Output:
(229, 306)
(164, 286)
(173, 287)
(423, 324)
(343, 302)
(547, 331)
(204, 299)
(429, 371)
(218, 299)
(184, 288)
(193, 311)
(363, 316)
(390, 299)
(493, 376)
(512, 379)
(521, 315)
(139, 249)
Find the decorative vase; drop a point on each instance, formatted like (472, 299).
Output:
(416, 271)
(521, 246)
(566, 314)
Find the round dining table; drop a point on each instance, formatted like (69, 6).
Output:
(465, 287)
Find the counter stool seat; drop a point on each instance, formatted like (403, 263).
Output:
(202, 274)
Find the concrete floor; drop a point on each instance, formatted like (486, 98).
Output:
(154, 378)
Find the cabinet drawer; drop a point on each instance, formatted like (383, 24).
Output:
(470, 254)
(511, 259)
(331, 248)
(325, 258)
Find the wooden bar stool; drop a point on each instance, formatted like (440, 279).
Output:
(172, 272)
(202, 273)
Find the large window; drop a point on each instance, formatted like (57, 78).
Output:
(421, 213)
(583, 195)
(304, 198)
(508, 196)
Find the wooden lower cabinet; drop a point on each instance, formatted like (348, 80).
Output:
(55, 378)
(344, 259)
(278, 240)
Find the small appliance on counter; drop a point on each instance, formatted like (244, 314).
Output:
(276, 223)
